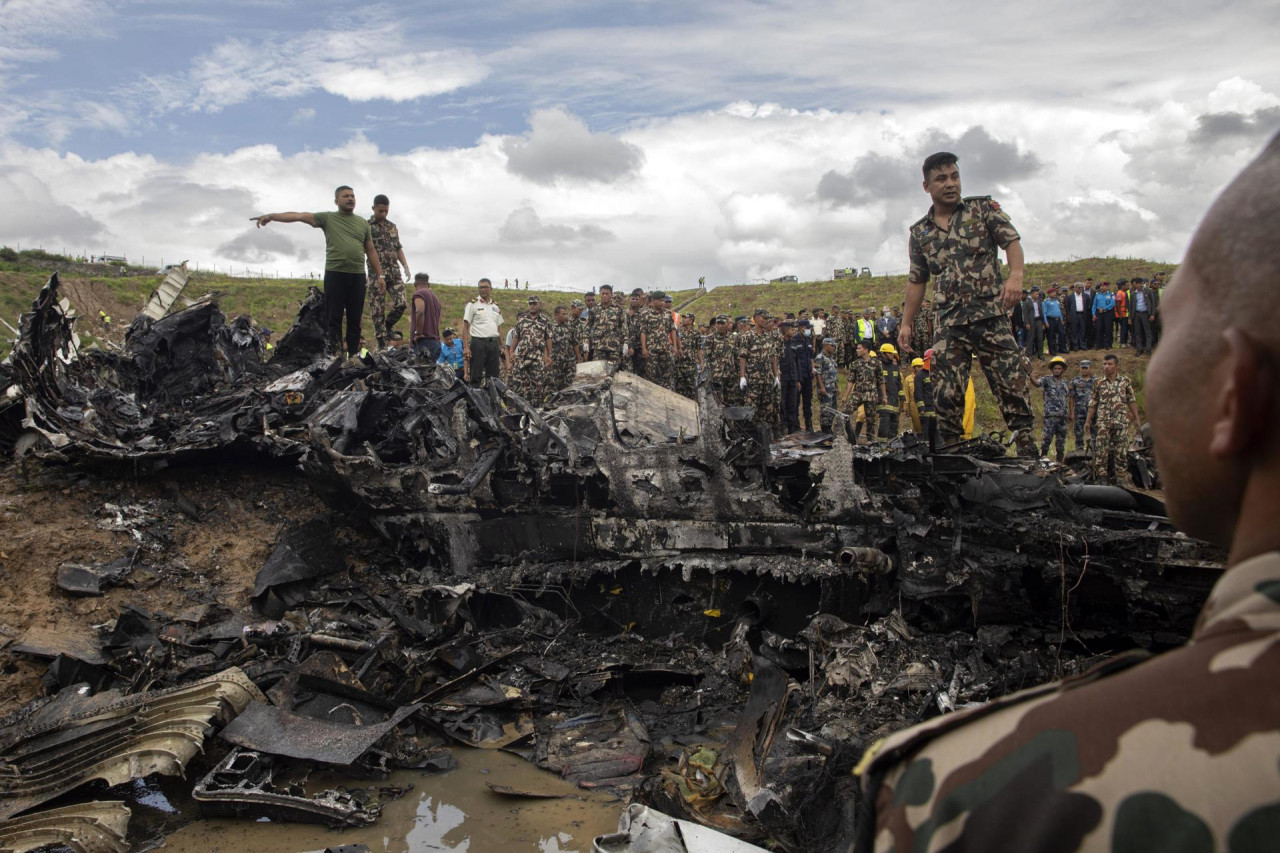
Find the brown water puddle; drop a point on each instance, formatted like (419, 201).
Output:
(446, 811)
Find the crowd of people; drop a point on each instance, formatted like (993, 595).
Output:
(778, 365)
(1087, 316)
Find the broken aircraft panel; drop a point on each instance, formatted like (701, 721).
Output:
(95, 827)
(75, 738)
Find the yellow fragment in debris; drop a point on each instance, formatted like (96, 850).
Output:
(868, 757)
(713, 613)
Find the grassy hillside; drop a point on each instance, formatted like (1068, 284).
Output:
(271, 302)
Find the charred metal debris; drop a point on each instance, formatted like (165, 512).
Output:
(634, 590)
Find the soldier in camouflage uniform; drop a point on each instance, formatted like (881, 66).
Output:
(1079, 393)
(689, 360)
(1055, 390)
(863, 394)
(835, 331)
(656, 339)
(531, 355)
(632, 360)
(1176, 752)
(578, 322)
(564, 349)
(386, 242)
(608, 328)
(922, 328)
(720, 358)
(957, 243)
(758, 371)
(825, 371)
(1113, 407)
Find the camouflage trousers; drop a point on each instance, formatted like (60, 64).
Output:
(763, 397)
(866, 408)
(826, 412)
(1005, 366)
(530, 381)
(1079, 428)
(1055, 430)
(727, 390)
(658, 367)
(384, 320)
(686, 377)
(1109, 454)
(562, 373)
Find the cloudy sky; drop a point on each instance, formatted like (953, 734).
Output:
(573, 143)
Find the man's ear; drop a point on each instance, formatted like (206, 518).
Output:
(1245, 398)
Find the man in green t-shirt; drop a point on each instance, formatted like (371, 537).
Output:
(348, 241)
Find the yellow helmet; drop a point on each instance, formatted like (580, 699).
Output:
(917, 362)
(889, 348)
(1057, 359)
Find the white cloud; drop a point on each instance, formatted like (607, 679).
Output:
(31, 28)
(357, 64)
(525, 226)
(733, 194)
(559, 146)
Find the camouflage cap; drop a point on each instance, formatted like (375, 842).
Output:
(721, 318)
(577, 303)
(687, 316)
(827, 342)
(760, 312)
(1084, 362)
(658, 294)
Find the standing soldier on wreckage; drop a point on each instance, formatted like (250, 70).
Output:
(956, 243)
(1180, 752)
(386, 242)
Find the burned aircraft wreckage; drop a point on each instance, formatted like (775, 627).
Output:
(633, 589)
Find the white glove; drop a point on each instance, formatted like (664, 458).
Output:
(742, 383)
(777, 382)
(586, 346)
(626, 350)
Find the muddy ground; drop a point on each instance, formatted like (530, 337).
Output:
(53, 515)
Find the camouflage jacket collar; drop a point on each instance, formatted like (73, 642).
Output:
(1246, 596)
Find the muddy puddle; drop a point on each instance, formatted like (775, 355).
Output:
(444, 811)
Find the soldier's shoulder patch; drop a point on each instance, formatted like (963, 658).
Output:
(920, 224)
(969, 198)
